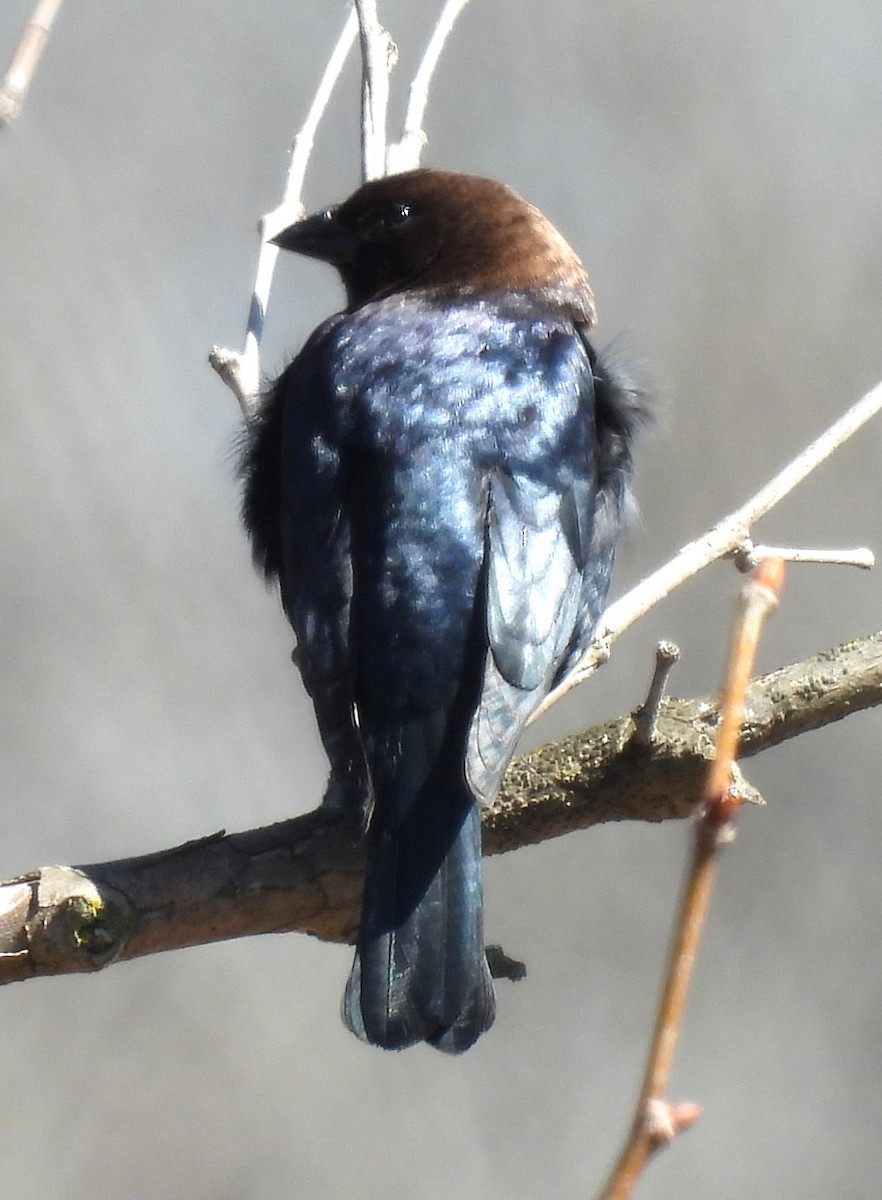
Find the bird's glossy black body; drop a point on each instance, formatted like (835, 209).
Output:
(436, 480)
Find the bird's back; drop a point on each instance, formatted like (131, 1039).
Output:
(442, 455)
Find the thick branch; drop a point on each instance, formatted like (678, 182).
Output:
(305, 874)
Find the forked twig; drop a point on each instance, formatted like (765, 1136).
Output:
(656, 1120)
(241, 370)
(729, 536)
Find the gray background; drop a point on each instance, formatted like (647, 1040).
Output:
(720, 170)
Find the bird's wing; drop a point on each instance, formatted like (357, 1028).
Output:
(539, 563)
(315, 563)
(533, 594)
(533, 579)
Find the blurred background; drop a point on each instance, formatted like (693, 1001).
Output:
(721, 174)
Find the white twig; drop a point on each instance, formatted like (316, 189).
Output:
(725, 538)
(241, 372)
(378, 56)
(748, 556)
(404, 154)
(20, 72)
(304, 140)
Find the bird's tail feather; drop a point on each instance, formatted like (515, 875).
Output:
(420, 972)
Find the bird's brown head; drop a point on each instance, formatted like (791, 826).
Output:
(445, 232)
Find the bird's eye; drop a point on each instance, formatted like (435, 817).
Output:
(378, 222)
(392, 217)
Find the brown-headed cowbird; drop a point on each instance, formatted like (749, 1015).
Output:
(437, 481)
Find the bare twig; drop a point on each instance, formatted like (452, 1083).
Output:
(378, 56)
(20, 72)
(656, 1120)
(404, 154)
(727, 537)
(292, 207)
(747, 556)
(241, 372)
(305, 874)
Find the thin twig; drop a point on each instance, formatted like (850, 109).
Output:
(748, 556)
(378, 56)
(725, 538)
(304, 140)
(404, 155)
(20, 72)
(656, 1120)
(241, 371)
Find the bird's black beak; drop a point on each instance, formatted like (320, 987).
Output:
(319, 236)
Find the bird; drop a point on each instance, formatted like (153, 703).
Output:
(437, 482)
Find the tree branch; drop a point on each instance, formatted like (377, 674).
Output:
(241, 371)
(656, 1120)
(305, 874)
(379, 55)
(405, 154)
(731, 536)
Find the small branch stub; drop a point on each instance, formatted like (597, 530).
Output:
(663, 1121)
(646, 716)
(72, 923)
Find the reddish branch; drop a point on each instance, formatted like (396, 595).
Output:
(656, 1121)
